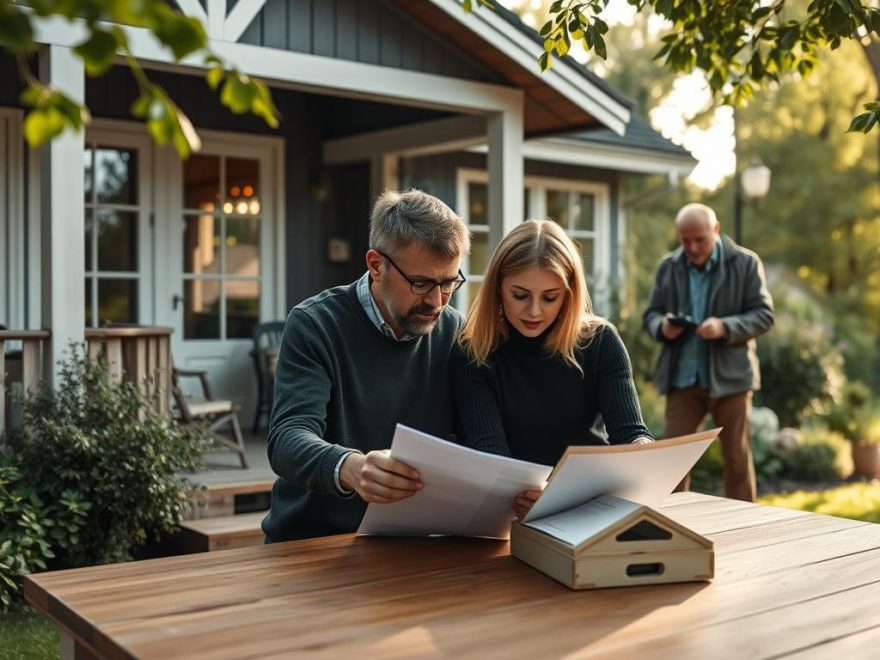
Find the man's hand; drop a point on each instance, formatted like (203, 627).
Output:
(642, 440)
(711, 328)
(669, 330)
(377, 477)
(523, 502)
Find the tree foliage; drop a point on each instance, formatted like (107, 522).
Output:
(741, 45)
(106, 38)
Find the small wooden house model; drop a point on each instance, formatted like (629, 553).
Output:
(612, 542)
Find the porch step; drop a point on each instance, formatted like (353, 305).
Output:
(219, 533)
(230, 499)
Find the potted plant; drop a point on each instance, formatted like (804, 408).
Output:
(858, 420)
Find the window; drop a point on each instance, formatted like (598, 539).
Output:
(582, 208)
(112, 242)
(221, 246)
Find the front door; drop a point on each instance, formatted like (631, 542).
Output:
(220, 278)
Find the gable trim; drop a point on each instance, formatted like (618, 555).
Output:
(313, 73)
(519, 48)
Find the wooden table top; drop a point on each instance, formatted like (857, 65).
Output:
(787, 583)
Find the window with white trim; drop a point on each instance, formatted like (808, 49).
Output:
(582, 208)
(114, 206)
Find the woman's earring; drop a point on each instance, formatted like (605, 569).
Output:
(501, 313)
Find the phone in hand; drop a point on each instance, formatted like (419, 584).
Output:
(682, 320)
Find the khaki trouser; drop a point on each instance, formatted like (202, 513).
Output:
(685, 411)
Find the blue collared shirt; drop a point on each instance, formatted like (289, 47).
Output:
(365, 297)
(692, 367)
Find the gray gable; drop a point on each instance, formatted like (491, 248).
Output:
(368, 31)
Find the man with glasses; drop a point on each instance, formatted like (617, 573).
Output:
(356, 360)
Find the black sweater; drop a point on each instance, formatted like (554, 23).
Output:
(340, 383)
(531, 406)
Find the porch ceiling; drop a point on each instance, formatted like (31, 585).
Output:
(547, 110)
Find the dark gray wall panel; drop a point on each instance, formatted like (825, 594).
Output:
(368, 31)
(324, 29)
(299, 24)
(346, 29)
(10, 85)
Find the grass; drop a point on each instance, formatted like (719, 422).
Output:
(27, 635)
(858, 501)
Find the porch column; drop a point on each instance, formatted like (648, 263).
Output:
(383, 174)
(62, 218)
(505, 164)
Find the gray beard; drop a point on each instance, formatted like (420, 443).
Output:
(408, 323)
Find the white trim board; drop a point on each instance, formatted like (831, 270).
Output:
(522, 50)
(313, 73)
(626, 159)
(13, 229)
(419, 139)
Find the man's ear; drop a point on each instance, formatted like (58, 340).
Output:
(717, 229)
(374, 261)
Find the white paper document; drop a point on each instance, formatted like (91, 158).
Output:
(466, 492)
(645, 474)
(586, 520)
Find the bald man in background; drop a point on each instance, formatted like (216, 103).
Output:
(708, 304)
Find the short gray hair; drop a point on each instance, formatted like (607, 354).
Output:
(400, 218)
(696, 210)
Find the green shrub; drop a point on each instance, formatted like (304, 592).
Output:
(28, 529)
(853, 415)
(800, 369)
(100, 440)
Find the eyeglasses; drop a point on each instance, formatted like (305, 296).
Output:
(424, 287)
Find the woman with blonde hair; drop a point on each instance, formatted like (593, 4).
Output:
(536, 370)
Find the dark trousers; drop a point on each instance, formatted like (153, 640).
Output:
(685, 411)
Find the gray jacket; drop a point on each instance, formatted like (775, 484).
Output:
(739, 297)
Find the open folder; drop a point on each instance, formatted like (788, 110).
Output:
(470, 493)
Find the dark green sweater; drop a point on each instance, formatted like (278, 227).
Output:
(531, 406)
(340, 383)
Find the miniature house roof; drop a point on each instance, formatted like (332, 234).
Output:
(611, 524)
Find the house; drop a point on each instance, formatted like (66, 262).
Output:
(374, 94)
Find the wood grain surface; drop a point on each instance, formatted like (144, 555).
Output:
(786, 583)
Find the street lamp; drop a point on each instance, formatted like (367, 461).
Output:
(753, 183)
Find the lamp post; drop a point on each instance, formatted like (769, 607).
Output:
(753, 182)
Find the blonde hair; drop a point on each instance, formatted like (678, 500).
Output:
(544, 244)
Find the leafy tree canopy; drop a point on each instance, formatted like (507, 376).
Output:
(741, 45)
(53, 111)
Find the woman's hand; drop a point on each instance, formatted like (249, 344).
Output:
(523, 502)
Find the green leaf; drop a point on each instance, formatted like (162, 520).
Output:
(214, 76)
(546, 28)
(788, 36)
(16, 31)
(600, 48)
(467, 5)
(237, 93)
(545, 62)
(97, 52)
(40, 126)
(182, 34)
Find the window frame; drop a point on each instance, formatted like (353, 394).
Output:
(537, 187)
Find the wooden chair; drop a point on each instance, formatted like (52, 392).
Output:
(267, 340)
(216, 412)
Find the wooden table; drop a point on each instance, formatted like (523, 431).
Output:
(787, 583)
